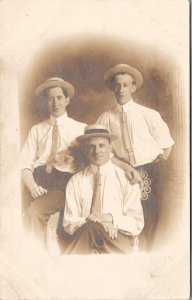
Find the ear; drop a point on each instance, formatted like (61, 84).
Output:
(134, 88)
(67, 101)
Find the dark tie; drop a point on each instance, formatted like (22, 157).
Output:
(127, 141)
(53, 152)
(97, 203)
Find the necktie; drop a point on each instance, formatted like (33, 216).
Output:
(53, 152)
(127, 141)
(97, 201)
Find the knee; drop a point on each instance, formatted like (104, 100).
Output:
(35, 210)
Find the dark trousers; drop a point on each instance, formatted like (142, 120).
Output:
(40, 209)
(92, 238)
(152, 175)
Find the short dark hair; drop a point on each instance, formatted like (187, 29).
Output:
(122, 73)
(45, 92)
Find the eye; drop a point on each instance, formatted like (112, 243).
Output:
(60, 97)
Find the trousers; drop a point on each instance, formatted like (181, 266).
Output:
(152, 175)
(92, 238)
(39, 210)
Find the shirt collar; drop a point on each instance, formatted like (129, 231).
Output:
(126, 107)
(101, 169)
(60, 120)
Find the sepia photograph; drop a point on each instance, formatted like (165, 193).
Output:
(95, 180)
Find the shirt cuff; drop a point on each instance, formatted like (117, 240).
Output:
(126, 224)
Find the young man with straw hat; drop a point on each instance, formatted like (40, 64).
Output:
(103, 212)
(47, 162)
(143, 138)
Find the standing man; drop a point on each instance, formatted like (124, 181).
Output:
(103, 212)
(47, 156)
(143, 142)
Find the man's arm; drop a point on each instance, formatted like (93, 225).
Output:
(133, 176)
(73, 219)
(35, 190)
(131, 220)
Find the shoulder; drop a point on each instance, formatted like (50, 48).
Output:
(81, 175)
(118, 171)
(148, 112)
(40, 126)
(107, 115)
(77, 124)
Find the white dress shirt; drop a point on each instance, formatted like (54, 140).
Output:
(149, 134)
(119, 198)
(37, 148)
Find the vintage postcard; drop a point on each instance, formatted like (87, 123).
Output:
(94, 149)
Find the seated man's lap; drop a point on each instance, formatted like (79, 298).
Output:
(98, 239)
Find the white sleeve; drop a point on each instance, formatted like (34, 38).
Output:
(29, 151)
(72, 214)
(159, 130)
(103, 120)
(131, 221)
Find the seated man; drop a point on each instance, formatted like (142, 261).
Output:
(103, 211)
(47, 161)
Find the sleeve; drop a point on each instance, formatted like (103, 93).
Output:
(72, 215)
(159, 130)
(29, 151)
(103, 120)
(131, 221)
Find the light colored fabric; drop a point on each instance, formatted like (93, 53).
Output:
(149, 134)
(119, 198)
(37, 148)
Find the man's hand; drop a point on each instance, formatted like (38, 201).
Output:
(110, 229)
(130, 172)
(37, 191)
(98, 217)
(134, 176)
(72, 228)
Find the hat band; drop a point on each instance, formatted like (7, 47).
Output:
(90, 131)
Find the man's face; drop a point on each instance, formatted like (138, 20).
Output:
(123, 87)
(57, 102)
(98, 150)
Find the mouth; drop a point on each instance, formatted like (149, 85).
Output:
(98, 157)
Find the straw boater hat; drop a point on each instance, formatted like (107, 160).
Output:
(95, 131)
(123, 68)
(56, 82)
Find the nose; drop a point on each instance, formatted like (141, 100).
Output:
(55, 101)
(97, 150)
(121, 88)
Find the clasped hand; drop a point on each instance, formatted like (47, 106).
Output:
(37, 191)
(106, 220)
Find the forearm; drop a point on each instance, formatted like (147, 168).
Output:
(121, 164)
(130, 225)
(27, 177)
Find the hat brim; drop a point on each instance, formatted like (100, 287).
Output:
(123, 69)
(84, 137)
(56, 83)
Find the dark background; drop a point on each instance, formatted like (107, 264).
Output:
(82, 61)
